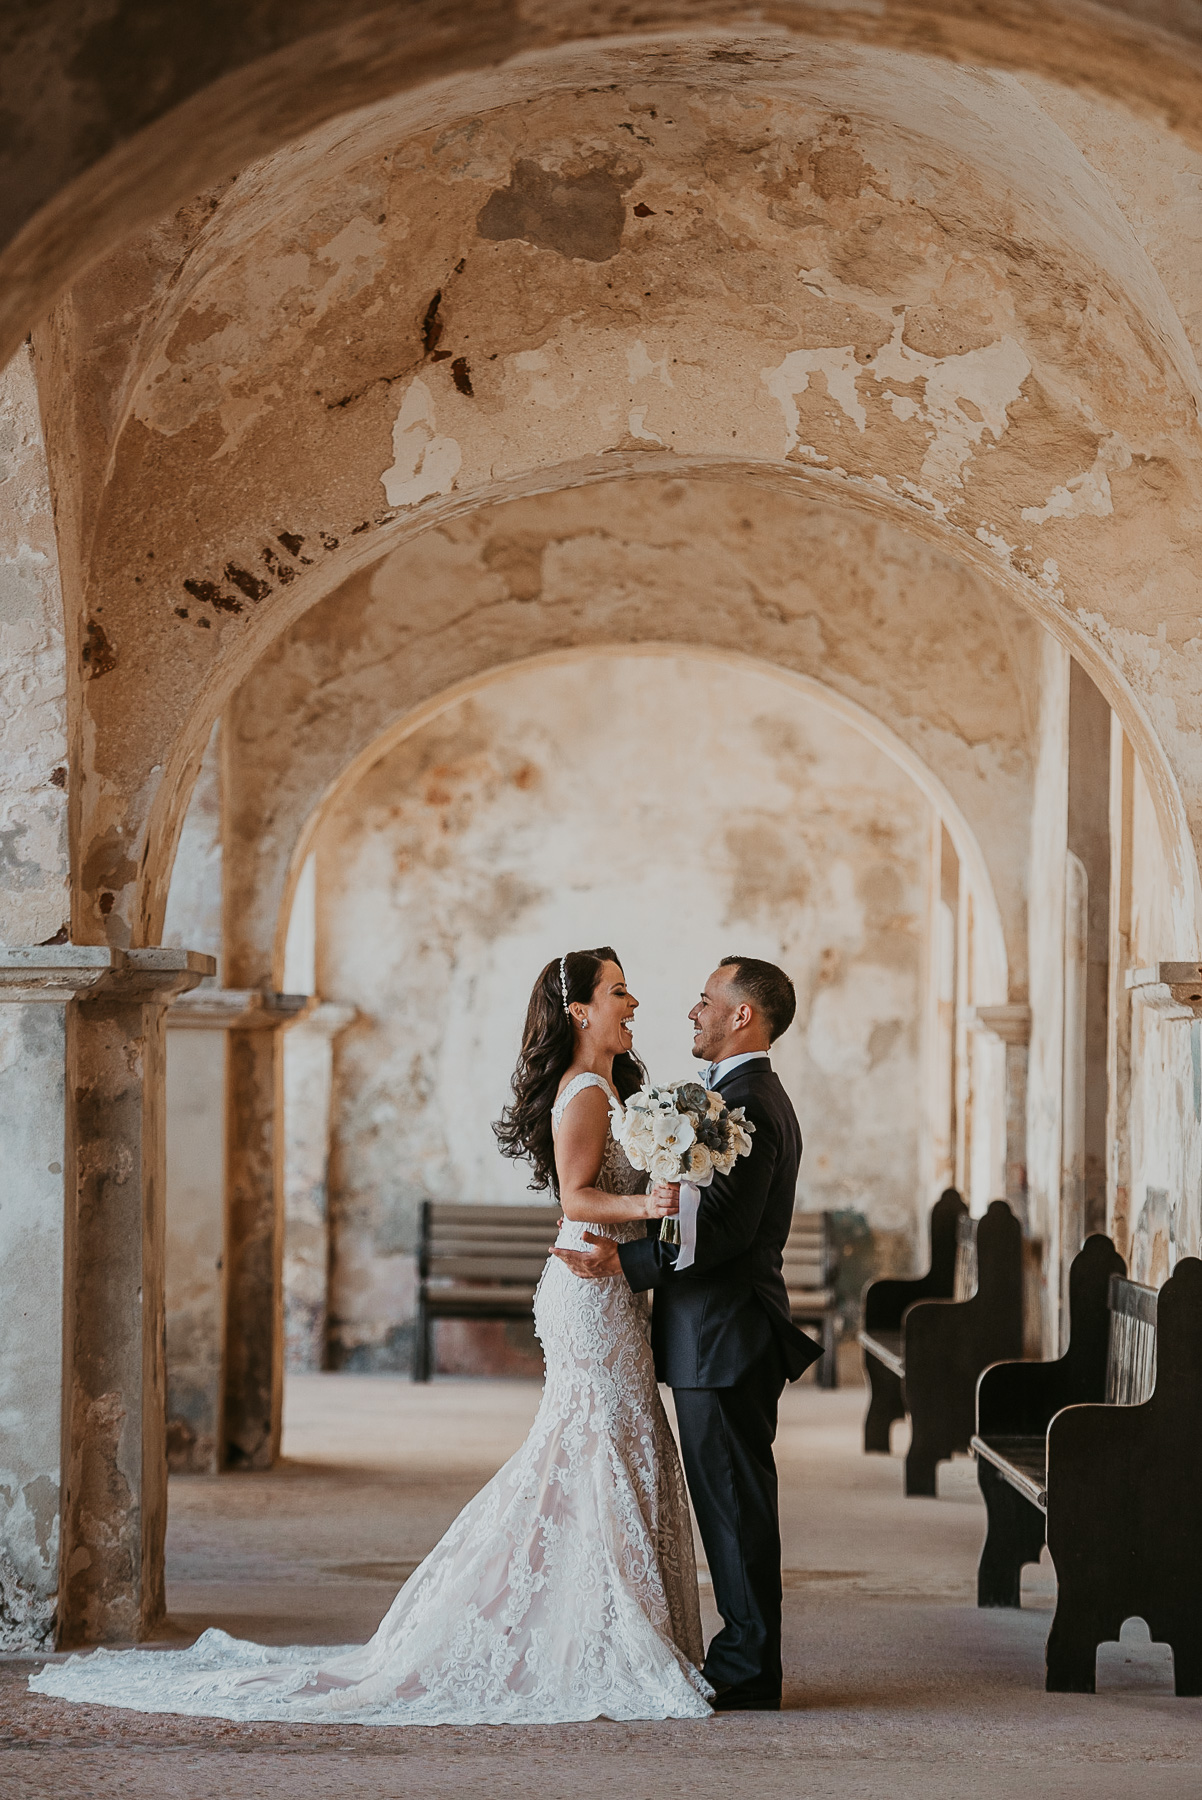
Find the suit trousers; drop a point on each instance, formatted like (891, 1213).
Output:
(726, 1437)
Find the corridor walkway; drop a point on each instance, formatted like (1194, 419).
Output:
(895, 1685)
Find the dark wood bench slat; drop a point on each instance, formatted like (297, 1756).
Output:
(1131, 1359)
(1022, 1461)
(888, 1347)
(462, 1302)
(491, 1269)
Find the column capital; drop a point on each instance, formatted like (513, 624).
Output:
(1011, 1022)
(1173, 989)
(53, 972)
(242, 1009)
(326, 1018)
(57, 973)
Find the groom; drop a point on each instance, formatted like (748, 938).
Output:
(721, 1332)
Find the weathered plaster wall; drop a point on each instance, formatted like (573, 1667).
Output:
(673, 808)
(195, 1244)
(196, 1146)
(1163, 1119)
(924, 645)
(193, 920)
(308, 1092)
(34, 867)
(1049, 849)
(33, 1066)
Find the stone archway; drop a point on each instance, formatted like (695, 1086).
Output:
(930, 381)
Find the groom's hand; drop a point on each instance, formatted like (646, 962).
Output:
(593, 1265)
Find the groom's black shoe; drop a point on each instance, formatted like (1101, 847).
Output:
(746, 1696)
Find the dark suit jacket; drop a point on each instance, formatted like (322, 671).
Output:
(714, 1320)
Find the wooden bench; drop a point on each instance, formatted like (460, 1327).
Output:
(478, 1262)
(809, 1273)
(884, 1307)
(924, 1349)
(1100, 1453)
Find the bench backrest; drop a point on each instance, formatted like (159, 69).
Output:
(1131, 1355)
(485, 1243)
(807, 1252)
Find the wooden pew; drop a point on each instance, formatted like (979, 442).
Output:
(478, 1262)
(884, 1308)
(1114, 1484)
(809, 1273)
(940, 1344)
(1016, 1402)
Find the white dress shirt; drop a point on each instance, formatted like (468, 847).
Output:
(717, 1070)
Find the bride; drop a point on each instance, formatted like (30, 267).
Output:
(566, 1590)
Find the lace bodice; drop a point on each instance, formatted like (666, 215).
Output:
(615, 1175)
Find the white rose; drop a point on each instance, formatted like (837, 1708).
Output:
(664, 1165)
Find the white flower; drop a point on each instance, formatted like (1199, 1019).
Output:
(674, 1131)
(659, 1135)
(664, 1165)
(701, 1166)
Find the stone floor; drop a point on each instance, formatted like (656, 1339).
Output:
(896, 1685)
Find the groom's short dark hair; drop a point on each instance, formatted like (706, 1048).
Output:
(768, 988)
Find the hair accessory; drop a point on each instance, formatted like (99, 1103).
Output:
(563, 980)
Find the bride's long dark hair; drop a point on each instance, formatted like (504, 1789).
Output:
(524, 1129)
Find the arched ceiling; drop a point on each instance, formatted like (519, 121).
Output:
(831, 596)
(115, 115)
(835, 269)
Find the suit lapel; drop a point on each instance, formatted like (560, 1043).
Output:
(752, 1070)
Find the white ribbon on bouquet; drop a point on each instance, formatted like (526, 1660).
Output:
(690, 1200)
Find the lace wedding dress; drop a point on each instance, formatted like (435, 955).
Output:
(566, 1590)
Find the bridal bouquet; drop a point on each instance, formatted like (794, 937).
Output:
(682, 1132)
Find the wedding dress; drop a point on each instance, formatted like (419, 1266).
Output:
(566, 1590)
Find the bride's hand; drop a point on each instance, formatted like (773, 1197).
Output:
(663, 1202)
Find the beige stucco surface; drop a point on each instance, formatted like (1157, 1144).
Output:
(674, 808)
(843, 600)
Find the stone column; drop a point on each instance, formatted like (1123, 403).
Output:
(252, 1401)
(1012, 1024)
(196, 1125)
(83, 1496)
(308, 1086)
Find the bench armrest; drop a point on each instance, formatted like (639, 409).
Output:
(886, 1301)
(1018, 1399)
